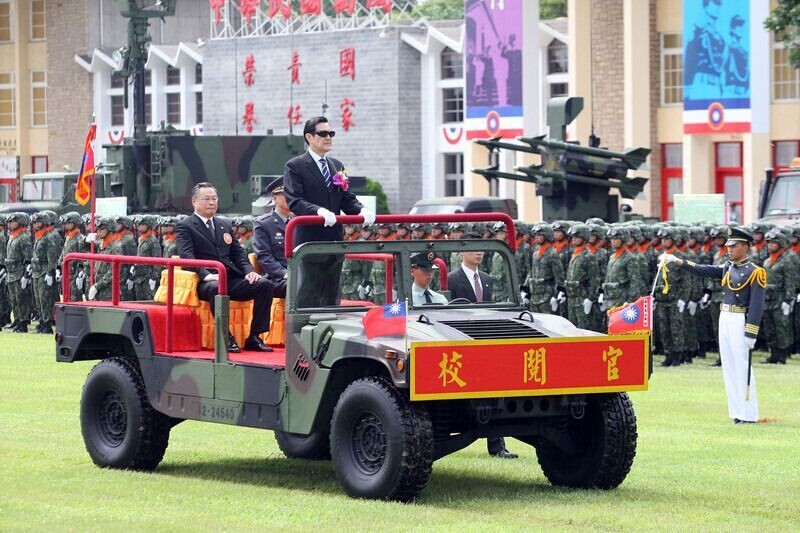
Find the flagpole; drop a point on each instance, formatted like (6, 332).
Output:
(92, 210)
(655, 281)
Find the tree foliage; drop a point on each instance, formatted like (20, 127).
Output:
(785, 23)
(374, 188)
(442, 9)
(551, 9)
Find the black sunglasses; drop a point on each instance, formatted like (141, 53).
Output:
(324, 133)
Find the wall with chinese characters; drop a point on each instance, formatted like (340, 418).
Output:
(370, 80)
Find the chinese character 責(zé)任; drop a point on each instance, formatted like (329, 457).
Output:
(535, 366)
(249, 70)
(295, 67)
(610, 357)
(347, 114)
(249, 117)
(450, 367)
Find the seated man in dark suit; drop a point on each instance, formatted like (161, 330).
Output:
(269, 235)
(204, 236)
(470, 283)
(314, 185)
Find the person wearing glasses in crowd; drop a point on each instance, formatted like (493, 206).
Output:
(315, 184)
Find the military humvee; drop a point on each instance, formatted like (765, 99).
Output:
(382, 407)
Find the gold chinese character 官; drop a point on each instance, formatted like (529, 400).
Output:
(610, 357)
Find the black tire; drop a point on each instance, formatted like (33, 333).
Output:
(120, 428)
(315, 446)
(605, 445)
(381, 444)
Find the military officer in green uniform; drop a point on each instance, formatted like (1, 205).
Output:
(19, 252)
(147, 277)
(545, 281)
(583, 279)
(498, 270)
(126, 246)
(74, 243)
(44, 263)
(779, 296)
(671, 295)
(169, 240)
(5, 305)
(623, 283)
(107, 243)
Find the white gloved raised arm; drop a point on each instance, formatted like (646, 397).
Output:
(369, 216)
(330, 218)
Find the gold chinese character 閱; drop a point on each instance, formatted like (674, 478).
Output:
(450, 367)
(535, 366)
(610, 356)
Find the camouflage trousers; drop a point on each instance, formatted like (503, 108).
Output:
(143, 291)
(670, 327)
(691, 330)
(75, 294)
(713, 314)
(777, 328)
(796, 317)
(579, 318)
(46, 298)
(21, 301)
(5, 304)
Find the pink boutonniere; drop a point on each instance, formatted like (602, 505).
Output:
(341, 180)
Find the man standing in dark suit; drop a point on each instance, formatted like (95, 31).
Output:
(312, 187)
(270, 233)
(204, 236)
(470, 283)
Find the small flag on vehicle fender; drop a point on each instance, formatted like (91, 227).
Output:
(389, 319)
(631, 318)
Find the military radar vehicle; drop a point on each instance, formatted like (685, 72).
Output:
(382, 402)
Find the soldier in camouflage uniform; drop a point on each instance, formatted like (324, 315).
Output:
(583, 279)
(501, 291)
(169, 240)
(596, 246)
(794, 253)
(420, 232)
(456, 232)
(47, 248)
(779, 296)
(244, 233)
(545, 280)
(127, 246)
(5, 305)
(720, 256)
(19, 252)
(759, 251)
(351, 232)
(689, 246)
(670, 301)
(74, 243)
(107, 243)
(439, 231)
(403, 233)
(522, 257)
(622, 284)
(146, 277)
(561, 242)
(641, 263)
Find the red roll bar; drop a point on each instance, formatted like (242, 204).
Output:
(169, 263)
(511, 232)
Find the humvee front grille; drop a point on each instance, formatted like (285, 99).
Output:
(494, 329)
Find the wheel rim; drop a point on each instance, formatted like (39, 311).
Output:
(112, 419)
(369, 444)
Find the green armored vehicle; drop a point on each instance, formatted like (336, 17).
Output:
(383, 386)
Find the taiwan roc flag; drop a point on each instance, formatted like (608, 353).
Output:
(83, 190)
(389, 319)
(631, 318)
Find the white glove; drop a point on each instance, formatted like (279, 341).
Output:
(692, 308)
(798, 299)
(561, 297)
(152, 283)
(362, 292)
(786, 308)
(129, 284)
(523, 297)
(330, 218)
(587, 306)
(554, 304)
(29, 270)
(23, 282)
(681, 306)
(667, 258)
(132, 270)
(90, 237)
(705, 299)
(369, 216)
(92, 292)
(48, 279)
(601, 298)
(79, 279)
(58, 274)
(750, 342)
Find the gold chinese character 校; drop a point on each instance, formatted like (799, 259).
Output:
(535, 367)
(610, 356)
(450, 367)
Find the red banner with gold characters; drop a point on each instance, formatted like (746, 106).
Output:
(529, 367)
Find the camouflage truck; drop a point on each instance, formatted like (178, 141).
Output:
(383, 407)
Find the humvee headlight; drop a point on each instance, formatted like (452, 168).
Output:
(391, 354)
(400, 364)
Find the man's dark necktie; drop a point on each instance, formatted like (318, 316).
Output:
(428, 299)
(478, 288)
(326, 173)
(210, 226)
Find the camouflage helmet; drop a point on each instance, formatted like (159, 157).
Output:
(579, 230)
(86, 218)
(697, 233)
(757, 227)
(372, 228)
(73, 217)
(19, 217)
(522, 228)
(598, 230)
(166, 221)
(560, 225)
(595, 220)
(795, 230)
(2, 219)
(125, 221)
(41, 216)
(618, 232)
(543, 228)
(439, 225)
(634, 232)
(474, 231)
(667, 232)
(384, 225)
(719, 232)
(245, 222)
(498, 227)
(52, 214)
(148, 220)
(457, 226)
(136, 220)
(107, 223)
(776, 235)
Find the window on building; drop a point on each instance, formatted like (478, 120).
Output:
(452, 64)
(671, 69)
(7, 101)
(785, 77)
(148, 77)
(556, 57)
(38, 98)
(559, 89)
(117, 110)
(453, 104)
(198, 73)
(784, 152)
(729, 175)
(39, 163)
(117, 82)
(5, 21)
(173, 75)
(671, 177)
(198, 108)
(38, 28)
(148, 109)
(454, 174)
(173, 108)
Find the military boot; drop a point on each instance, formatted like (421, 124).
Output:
(773, 358)
(47, 328)
(39, 327)
(22, 327)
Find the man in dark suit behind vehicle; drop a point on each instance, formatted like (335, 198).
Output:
(470, 283)
(204, 236)
(313, 186)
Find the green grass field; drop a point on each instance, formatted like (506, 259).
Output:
(694, 469)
